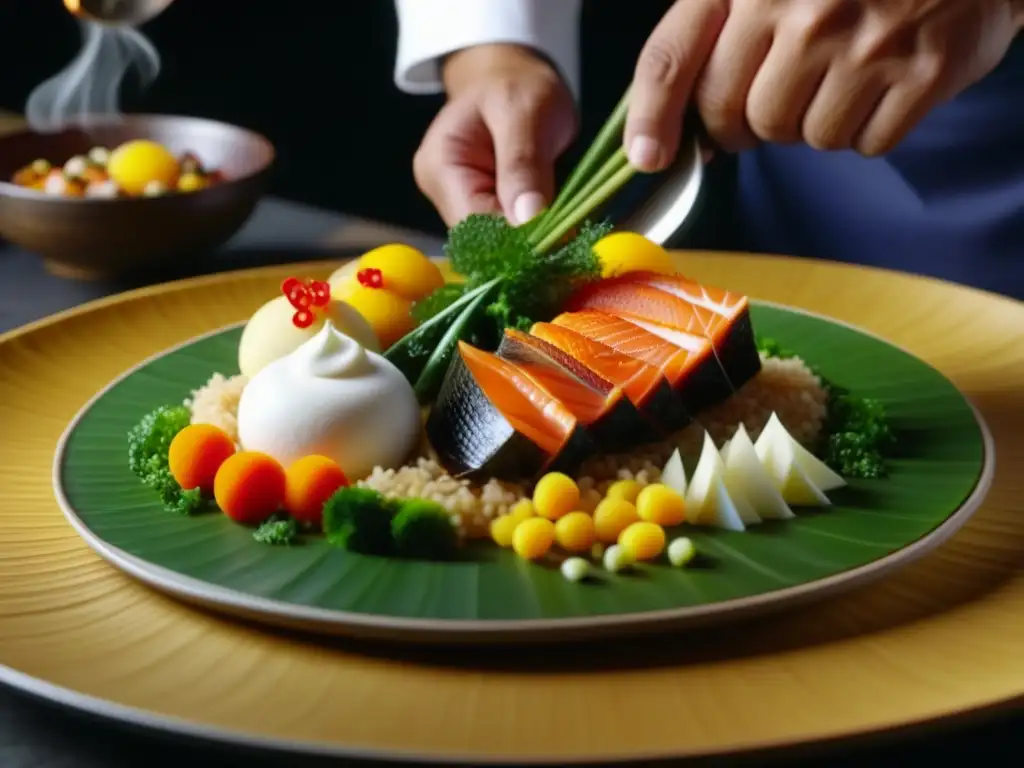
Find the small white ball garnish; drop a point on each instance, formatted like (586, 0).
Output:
(55, 184)
(102, 189)
(154, 189)
(99, 155)
(681, 551)
(616, 559)
(575, 569)
(76, 166)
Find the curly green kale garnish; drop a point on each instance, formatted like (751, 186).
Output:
(148, 444)
(277, 531)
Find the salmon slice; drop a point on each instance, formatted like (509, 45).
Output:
(491, 419)
(599, 405)
(638, 379)
(691, 369)
(643, 384)
(627, 297)
(528, 408)
(659, 302)
(731, 330)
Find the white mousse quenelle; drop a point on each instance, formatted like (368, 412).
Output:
(334, 398)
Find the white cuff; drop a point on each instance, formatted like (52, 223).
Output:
(431, 29)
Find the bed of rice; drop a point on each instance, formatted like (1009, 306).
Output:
(786, 387)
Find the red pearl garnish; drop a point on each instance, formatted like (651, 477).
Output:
(321, 293)
(303, 318)
(371, 278)
(304, 297)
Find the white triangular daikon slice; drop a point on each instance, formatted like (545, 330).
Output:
(674, 474)
(746, 476)
(819, 472)
(790, 479)
(707, 499)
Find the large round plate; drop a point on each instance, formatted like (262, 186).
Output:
(940, 637)
(492, 595)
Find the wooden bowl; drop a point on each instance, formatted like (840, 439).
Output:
(102, 238)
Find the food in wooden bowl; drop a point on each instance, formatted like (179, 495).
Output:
(125, 212)
(138, 168)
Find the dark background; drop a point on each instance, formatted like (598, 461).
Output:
(315, 78)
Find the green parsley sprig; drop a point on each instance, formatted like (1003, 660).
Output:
(857, 433)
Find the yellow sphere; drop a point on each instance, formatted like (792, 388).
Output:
(660, 504)
(135, 164)
(627, 490)
(612, 517)
(522, 510)
(555, 496)
(575, 532)
(642, 541)
(385, 311)
(405, 270)
(191, 182)
(622, 252)
(503, 529)
(533, 538)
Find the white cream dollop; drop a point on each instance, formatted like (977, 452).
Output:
(331, 397)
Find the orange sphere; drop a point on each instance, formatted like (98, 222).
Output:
(309, 482)
(249, 487)
(195, 455)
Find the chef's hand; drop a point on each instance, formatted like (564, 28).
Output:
(834, 74)
(493, 146)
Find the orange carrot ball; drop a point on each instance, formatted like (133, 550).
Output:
(195, 455)
(309, 482)
(249, 487)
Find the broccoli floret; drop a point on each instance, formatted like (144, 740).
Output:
(854, 454)
(277, 531)
(423, 529)
(150, 439)
(359, 519)
(148, 444)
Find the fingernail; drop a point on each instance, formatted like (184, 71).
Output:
(644, 153)
(526, 206)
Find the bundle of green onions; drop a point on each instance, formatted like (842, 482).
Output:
(515, 276)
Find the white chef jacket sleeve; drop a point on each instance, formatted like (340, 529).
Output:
(428, 30)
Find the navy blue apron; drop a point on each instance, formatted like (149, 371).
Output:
(948, 202)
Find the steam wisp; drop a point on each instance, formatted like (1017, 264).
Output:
(90, 86)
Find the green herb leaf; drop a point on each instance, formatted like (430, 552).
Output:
(438, 301)
(278, 531)
(428, 384)
(411, 352)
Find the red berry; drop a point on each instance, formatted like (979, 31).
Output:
(371, 278)
(321, 292)
(303, 318)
